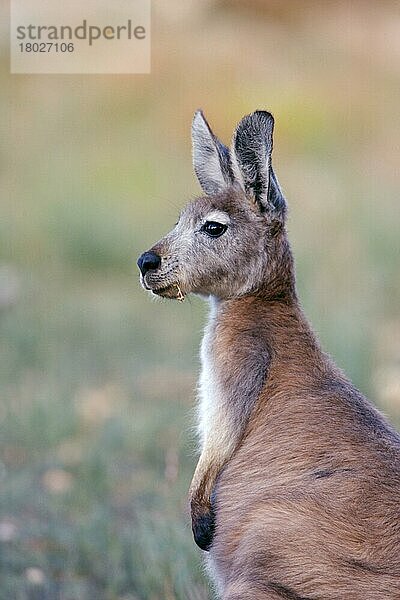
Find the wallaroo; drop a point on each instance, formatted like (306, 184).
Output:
(296, 494)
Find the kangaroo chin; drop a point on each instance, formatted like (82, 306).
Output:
(296, 490)
(172, 292)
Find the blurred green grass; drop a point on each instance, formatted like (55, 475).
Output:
(97, 382)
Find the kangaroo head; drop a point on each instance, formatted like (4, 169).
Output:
(232, 240)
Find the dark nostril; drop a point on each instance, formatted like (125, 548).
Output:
(149, 261)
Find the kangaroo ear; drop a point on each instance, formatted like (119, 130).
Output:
(251, 161)
(211, 158)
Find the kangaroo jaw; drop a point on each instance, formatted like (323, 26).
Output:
(172, 291)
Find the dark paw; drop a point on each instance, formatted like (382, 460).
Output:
(203, 527)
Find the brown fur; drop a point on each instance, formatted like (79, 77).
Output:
(308, 506)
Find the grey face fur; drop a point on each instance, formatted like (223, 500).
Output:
(244, 197)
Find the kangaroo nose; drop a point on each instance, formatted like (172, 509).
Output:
(149, 261)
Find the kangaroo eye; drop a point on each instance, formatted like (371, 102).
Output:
(213, 229)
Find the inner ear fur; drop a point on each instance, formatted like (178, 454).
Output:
(211, 158)
(251, 161)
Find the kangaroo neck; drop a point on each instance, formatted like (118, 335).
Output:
(279, 327)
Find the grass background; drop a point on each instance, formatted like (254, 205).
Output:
(96, 381)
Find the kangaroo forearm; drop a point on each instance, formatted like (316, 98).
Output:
(218, 447)
(222, 426)
(201, 509)
(231, 380)
(214, 456)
